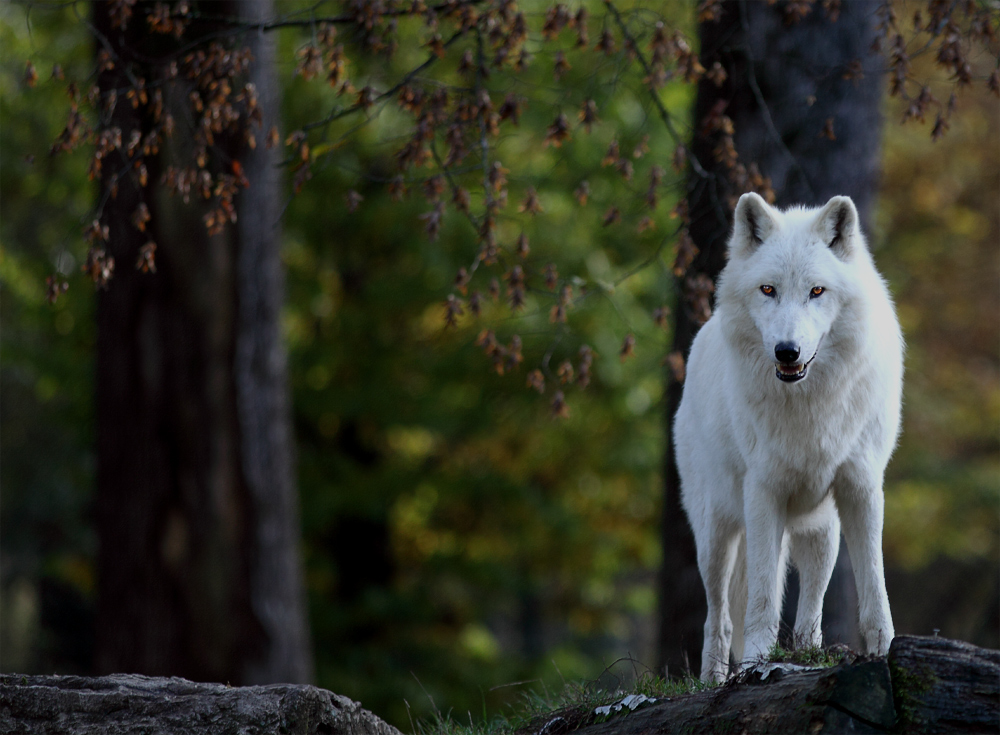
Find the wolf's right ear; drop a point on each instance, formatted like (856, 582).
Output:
(753, 223)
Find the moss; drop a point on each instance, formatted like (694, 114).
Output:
(908, 686)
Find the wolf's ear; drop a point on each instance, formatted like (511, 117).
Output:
(837, 225)
(753, 223)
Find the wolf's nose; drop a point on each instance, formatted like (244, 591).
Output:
(786, 352)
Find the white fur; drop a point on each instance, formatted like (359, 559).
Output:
(771, 470)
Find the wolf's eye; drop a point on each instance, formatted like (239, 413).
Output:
(816, 291)
(767, 290)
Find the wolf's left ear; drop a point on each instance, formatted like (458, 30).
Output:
(837, 225)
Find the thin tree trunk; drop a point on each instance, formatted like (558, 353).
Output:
(790, 86)
(263, 402)
(195, 509)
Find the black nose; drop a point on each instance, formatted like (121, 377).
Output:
(786, 352)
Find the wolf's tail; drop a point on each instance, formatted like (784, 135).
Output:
(738, 597)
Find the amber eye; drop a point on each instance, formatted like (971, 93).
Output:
(817, 291)
(767, 290)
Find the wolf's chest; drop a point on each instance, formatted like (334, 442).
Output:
(807, 437)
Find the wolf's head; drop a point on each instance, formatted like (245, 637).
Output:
(790, 275)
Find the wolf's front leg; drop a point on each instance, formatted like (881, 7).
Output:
(717, 544)
(766, 562)
(860, 504)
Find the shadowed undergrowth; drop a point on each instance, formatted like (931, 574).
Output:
(574, 706)
(577, 703)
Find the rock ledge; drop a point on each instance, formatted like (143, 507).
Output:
(127, 703)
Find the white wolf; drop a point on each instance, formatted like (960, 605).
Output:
(789, 415)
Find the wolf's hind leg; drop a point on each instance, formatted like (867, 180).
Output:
(716, 556)
(738, 597)
(814, 554)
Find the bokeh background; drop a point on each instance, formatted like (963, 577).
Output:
(456, 538)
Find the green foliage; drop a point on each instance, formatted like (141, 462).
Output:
(46, 356)
(457, 537)
(936, 241)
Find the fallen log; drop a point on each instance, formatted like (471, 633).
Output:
(853, 697)
(120, 704)
(927, 685)
(941, 685)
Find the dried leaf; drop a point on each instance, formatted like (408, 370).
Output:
(675, 361)
(353, 199)
(536, 380)
(453, 310)
(54, 286)
(628, 348)
(30, 74)
(531, 205)
(557, 132)
(827, 131)
(559, 408)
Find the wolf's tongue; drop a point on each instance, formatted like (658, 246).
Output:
(790, 369)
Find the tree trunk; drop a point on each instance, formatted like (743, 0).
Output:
(195, 508)
(263, 403)
(787, 93)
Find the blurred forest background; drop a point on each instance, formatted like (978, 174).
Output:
(457, 538)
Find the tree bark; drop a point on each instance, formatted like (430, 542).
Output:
(786, 93)
(195, 506)
(942, 685)
(927, 685)
(263, 404)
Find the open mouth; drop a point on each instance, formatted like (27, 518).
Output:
(792, 373)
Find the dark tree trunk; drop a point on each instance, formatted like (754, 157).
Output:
(786, 93)
(195, 510)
